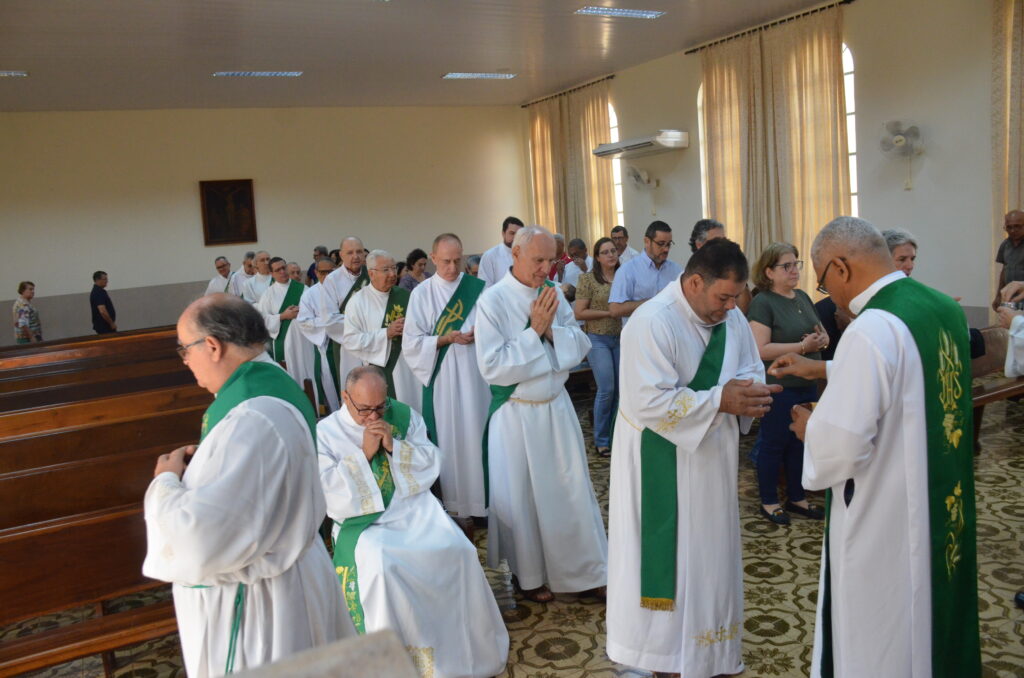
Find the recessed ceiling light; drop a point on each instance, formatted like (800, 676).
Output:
(257, 74)
(620, 12)
(13, 74)
(478, 76)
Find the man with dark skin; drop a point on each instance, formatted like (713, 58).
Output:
(1011, 253)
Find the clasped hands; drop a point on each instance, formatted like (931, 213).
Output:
(376, 434)
(1011, 294)
(395, 328)
(456, 337)
(290, 313)
(174, 461)
(747, 398)
(542, 312)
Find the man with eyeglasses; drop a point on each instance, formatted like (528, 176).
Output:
(262, 279)
(1011, 253)
(403, 564)
(221, 283)
(279, 306)
(646, 274)
(374, 324)
(620, 238)
(237, 529)
(339, 288)
(891, 440)
(325, 369)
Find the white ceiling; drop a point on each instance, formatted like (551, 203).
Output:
(149, 54)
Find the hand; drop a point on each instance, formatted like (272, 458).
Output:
(382, 430)
(559, 269)
(395, 328)
(1013, 292)
(747, 398)
(817, 341)
(174, 461)
(113, 326)
(466, 338)
(290, 313)
(542, 311)
(795, 365)
(800, 414)
(1006, 316)
(581, 263)
(371, 441)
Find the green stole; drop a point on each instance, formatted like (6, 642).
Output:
(360, 282)
(227, 285)
(398, 415)
(398, 303)
(659, 496)
(938, 326)
(291, 298)
(452, 318)
(499, 396)
(251, 380)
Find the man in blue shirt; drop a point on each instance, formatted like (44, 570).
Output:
(104, 317)
(644, 275)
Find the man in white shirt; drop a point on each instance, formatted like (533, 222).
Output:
(620, 237)
(242, 276)
(261, 280)
(222, 281)
(495, 262)
(339, 288)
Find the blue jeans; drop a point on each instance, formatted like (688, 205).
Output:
(604, 361)
(778, 446)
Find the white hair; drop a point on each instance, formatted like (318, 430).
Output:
(894, 237)
(559, 237)
(374, 255)
(852, 236)
(525, 235)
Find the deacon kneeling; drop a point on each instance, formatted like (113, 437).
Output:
(237, 529)
(675, 594)
(403, 563)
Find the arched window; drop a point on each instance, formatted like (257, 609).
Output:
(613, 124)
(851, 127)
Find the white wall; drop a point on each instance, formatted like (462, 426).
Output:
(916, 61)
(118, 190)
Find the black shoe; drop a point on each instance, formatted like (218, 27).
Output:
(778, 516)
(812, 511)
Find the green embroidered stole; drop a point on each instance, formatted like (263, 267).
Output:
(291, 298)
(499, 396)
(398, 303)
(227, 285)
(251, 380)
(659, 496)
(361, 281)
(452, 318)
(938, 326)
(398, 415)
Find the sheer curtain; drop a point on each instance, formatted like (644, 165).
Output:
(573, 189)
(1007, 111)
(775, 120)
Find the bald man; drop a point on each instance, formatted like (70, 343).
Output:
(339, 287)
(1011, 253)
(261, 280)
(236, 530)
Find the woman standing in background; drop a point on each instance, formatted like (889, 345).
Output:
(26, 318)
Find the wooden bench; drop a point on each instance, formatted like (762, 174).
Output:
(117, 366)
(73, 393)
(109, 345)
(76, 561)
(43, 346)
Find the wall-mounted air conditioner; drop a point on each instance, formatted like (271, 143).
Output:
(664, 140)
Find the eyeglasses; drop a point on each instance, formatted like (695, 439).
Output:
(789, 266)
(183, 350)
(385, 269)
(366, 411)
(821, 280)
(663, 244)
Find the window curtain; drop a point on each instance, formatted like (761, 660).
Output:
(1007, 112)
(573, 189)
(775, 120)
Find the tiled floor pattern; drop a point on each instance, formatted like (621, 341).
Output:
(566, 638)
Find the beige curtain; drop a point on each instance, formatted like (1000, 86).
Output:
(1007, 113)
(573, 190)
(775, 119)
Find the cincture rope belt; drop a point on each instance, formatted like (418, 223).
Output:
(532, 402)
(626, 419)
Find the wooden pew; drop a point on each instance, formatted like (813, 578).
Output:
(117, 366)
(69, 562)
(72, 393)
(43, 346)
(105, 346)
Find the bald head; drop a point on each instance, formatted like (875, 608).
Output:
(1014, 225)
(228, 318)
(533, 252)
(446, 254)
(353, 254)
(849, 237)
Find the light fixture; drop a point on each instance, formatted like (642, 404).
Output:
(478, 76)
(257, 74)
(13, 74)
(619, 12)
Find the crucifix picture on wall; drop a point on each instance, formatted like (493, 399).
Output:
(229, 214)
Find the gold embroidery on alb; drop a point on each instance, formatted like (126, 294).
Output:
(451, 316)
(950, 388)
(680, 408)
(955, 507)
(394, 314)
(719, 635)
(422, 659)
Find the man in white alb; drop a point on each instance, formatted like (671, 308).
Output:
(236, 530)
(221, 282)
(325, 370)
(279, 307)
(403, 563)
(242, 276)
(339, 287)
(262, 279)
(675, 593)
(374, 323)
(543, 516)
(495, 262)
(437, 343)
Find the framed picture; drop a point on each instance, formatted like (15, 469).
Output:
(229, 214)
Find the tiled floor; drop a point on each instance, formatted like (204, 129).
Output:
(566, 638)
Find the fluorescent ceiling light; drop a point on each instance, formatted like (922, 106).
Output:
(13, 74)
(478, 76)
(257, 74)
(620, 12)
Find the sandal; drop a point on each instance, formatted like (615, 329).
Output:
(599, 592)
(541, 594)
(604, 452)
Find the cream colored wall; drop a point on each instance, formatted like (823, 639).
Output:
(118, 191)
(934, 74)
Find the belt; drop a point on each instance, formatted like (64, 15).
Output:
(626, 419)
(533, 402)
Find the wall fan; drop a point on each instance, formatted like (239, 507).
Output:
(902, 142)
